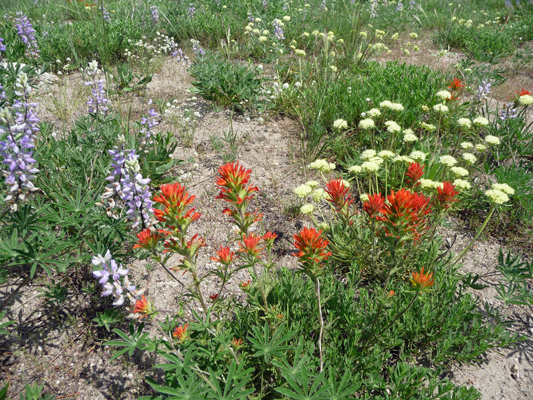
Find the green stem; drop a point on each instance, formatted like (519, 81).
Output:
(489, 215)
(399, 315)
(321, 320)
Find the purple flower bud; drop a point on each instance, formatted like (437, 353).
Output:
(27, 35)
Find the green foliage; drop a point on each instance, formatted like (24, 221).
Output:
(108, 317)
(231, 84)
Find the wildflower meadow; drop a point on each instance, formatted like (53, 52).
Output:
(266, 199)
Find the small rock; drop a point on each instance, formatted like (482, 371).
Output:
(514, 369)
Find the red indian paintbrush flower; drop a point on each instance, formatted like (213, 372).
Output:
(523, 92)
(456, 84)
(311, 245)
(339, 195)
(422, 281)
(236, 342)
(213, 297)
(225, 256)
(175, 200)
(148, 240)
(269, 237)
(445, 196)
(405, 215)
(375, 205)
(180, 332)
(174, 195)
(232, 182)
(414, 173)
(250, 245)
(143, 307)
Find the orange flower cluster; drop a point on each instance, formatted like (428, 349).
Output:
(176, 201)
(180, 332)
(403, 216)
(312, 246)
(456, 86)
(413, 174)
(422, 281)
(445, 196)
(339, 196)
(234, 188)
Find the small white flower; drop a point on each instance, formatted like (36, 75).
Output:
(497, 196)
(481, 147)
(466, 145)
(469, 158)
(481, 121)
(461, 184)
(356, 169)
(440, 108)
(459, 171)
(312, 184)
(449, 161)
(302, 191)
(444, 95)
(418, 156)
(525, 100)
(366, 123)
(385, 104)
(503, 187)
(392, 127)
(492, 140)
(385, 154)
(374, 112)
(340, 124)
(319, 195)
(307, 209)
(370, 166)
(368, 154)
(364, 197)
(410, 138)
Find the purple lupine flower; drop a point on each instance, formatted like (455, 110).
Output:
(399, 7)
(278, 31)
(105, 14)
(16, 148)
(2, 45)
(373, 13)
(509, 5)
(127, 186)
(181, 57)
(27, 35)
(508, 113)
(136, 194)
(155, 14)
(265, 4)
(197, 48)
(323, 6)
(98, 101)
(191, 10)
(147, 125)
(483, 90)
(110, 270)
(250, 17)
(285, 6)
(412, 4)
(518, 4)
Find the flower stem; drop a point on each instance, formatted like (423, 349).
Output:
(399, 314)
(489, 215)
(321, 320)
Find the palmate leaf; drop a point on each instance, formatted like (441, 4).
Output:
(184, 389)
(42, 254)
(308, 389)
(4, 325)
(178, 365)
(135, 340)
(267, 347)
(301, 359)
(234, 384)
